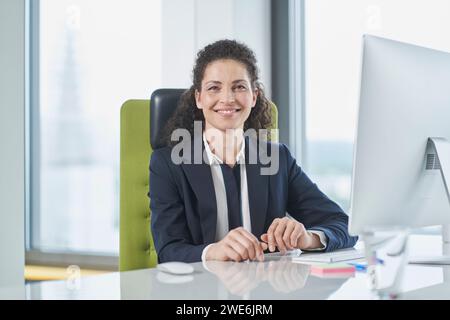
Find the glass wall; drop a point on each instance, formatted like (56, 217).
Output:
(94, 55)
(333, 35)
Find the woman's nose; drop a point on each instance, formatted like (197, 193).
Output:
(227, 96)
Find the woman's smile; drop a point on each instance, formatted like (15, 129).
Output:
(227, 112)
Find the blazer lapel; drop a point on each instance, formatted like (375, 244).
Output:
(200, 179)
(258, 189)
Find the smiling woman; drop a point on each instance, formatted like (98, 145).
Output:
(225, 207)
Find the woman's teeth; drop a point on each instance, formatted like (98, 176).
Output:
(227, 111)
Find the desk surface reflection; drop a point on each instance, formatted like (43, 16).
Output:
(280, 279)
(271, 280)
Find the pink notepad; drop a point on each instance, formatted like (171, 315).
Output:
(333, 270)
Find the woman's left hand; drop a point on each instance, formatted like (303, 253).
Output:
(288, 234)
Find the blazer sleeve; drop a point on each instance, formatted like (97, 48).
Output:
(171, 235)
(310, 206)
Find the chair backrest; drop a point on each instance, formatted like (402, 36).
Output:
(136, 244)
(141, 125)
(163, 104)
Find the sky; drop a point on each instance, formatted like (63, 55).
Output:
(334, 32)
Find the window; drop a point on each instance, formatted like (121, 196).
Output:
(94, 55)
(333, 34)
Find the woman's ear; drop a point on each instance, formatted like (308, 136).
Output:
(197, 99)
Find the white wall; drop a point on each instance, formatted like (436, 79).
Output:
(12, 164)
(192, 24)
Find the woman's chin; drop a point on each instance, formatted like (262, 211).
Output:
(225, 125)
(229, 128)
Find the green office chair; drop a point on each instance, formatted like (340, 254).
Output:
(137, 250)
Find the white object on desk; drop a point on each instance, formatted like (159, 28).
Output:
(433, 260)
(175, 267)
(165, 277)
(278, 255)
(330, 257)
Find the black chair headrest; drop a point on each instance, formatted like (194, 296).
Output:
(163, 104)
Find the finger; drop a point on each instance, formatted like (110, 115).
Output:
(287, 234)
(270, 235)
(265, 238)
(264, 246)
(238, 248)
(295, 235)
(250, 242)
(278, 235)
(231, 253)
(255, 251)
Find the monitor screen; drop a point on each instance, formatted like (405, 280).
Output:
(404, 100)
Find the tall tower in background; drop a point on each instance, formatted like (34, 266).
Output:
(71, 135)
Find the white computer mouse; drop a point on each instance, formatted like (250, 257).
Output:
(165, 277)
(175, 267)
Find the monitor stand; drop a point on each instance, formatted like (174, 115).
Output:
(443, 259)
(440, 150)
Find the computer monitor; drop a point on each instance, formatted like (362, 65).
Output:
(401, 172)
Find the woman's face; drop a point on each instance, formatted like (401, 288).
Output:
(226, 95)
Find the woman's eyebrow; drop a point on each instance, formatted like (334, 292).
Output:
(213, 82)
(218, 82)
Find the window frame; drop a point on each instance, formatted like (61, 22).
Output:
(288, 74)
(297, 89)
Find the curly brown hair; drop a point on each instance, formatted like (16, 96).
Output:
(187, 112)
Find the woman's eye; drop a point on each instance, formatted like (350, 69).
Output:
(241, 87)
(213, 88)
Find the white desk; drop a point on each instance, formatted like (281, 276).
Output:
(227, 280)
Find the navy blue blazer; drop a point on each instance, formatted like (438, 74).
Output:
(184, 211)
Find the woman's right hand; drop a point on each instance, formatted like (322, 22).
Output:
(238, 245)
